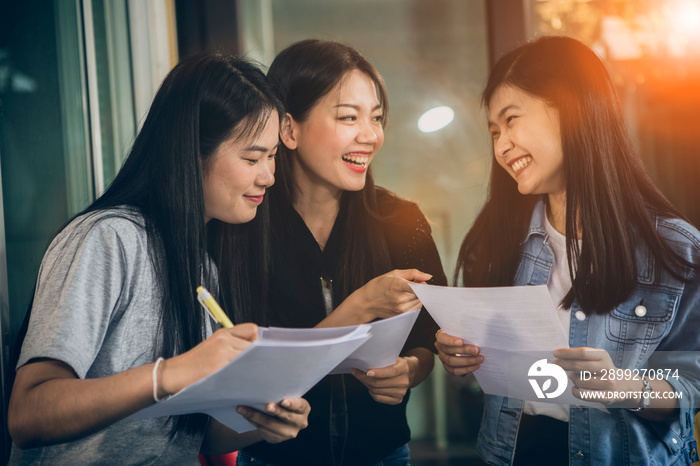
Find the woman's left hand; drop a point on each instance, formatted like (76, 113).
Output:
(599, 375)
(389, 384)
(281, 421)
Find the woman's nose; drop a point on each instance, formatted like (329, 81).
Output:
(266, 175)
(368, 134)
(502, 146)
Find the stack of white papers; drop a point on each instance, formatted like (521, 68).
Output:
(514, 327)
(286, 363)
(383, 349)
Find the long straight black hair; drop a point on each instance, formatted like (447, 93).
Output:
(610, 196)
(305, 72)
(205, 100)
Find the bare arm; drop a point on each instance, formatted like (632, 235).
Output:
(384, 296)
(50, 404)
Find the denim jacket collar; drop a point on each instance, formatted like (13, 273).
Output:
(645, 262)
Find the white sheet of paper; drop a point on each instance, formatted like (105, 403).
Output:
(283, 363)
(513, 326)
(384, 348)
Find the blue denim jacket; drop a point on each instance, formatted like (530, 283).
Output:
(672, 323)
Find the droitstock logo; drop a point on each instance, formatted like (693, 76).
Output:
(541, 369)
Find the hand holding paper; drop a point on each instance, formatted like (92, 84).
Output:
(386, 296)
(279, 422)
(204, 359)
(457, 357)
(386, 385)
(497, 333)
(281, 363)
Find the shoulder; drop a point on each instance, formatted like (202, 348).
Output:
(683, 237)
(102, 231)
(397, 210)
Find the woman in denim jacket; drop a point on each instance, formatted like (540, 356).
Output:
(571, 206)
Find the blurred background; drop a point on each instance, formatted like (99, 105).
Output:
(77, 77)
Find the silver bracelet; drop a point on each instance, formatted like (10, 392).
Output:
(646, 400)
(155, 380)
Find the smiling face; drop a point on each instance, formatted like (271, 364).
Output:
(336, 143)
(238, 173)
(527, 141)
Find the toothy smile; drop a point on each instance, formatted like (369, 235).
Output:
(356, 160)
(521, 163)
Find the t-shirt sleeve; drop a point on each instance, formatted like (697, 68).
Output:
(82, 285)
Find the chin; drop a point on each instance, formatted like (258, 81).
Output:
(237, 218)
(525, 190)
(355, 185)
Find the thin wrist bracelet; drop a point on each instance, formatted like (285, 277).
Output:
(155, 380)
(646, 397)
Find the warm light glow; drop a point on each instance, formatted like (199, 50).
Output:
(686, 17)
(435, 119)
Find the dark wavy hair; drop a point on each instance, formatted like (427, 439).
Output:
(305, 72)
(205, 100)
(610, 196)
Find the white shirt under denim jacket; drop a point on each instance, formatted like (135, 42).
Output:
(671, 324)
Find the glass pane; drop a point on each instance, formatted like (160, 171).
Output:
(45, 174)
(114, 85)
(45, 144)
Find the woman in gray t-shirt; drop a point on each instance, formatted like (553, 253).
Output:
(115, 325)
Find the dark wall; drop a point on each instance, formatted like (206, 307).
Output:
(506, 26)
(206, 25)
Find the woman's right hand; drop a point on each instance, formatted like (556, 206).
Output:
(457, 358)
(209, 356)
(389, 294)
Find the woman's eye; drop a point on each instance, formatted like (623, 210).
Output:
(378, 118)
(252, 161)
(272, 156)
(511, 118)
(348, 118)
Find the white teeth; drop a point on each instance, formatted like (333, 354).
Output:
(521, 163)
(356, 160)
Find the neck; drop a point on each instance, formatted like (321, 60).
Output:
(556, 211)
(318, 206)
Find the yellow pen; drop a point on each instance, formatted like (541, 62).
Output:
(209, 303)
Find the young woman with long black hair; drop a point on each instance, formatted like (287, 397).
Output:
(571, 205)
(343, 253)
(115, 324)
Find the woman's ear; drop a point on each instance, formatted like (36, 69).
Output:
(288, 131)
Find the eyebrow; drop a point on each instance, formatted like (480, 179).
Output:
(503, 112)
(255, 148)
(357, 107)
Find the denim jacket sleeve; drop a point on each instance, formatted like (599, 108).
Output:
(680, 347)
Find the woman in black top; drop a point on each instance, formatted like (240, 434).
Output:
(343, 253)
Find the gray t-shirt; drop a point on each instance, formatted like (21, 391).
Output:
(97, 309)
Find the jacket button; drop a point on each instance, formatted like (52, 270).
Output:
(641, 311)
(578, 454)
(580, 315)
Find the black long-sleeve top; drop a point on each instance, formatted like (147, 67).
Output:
(368, 430)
